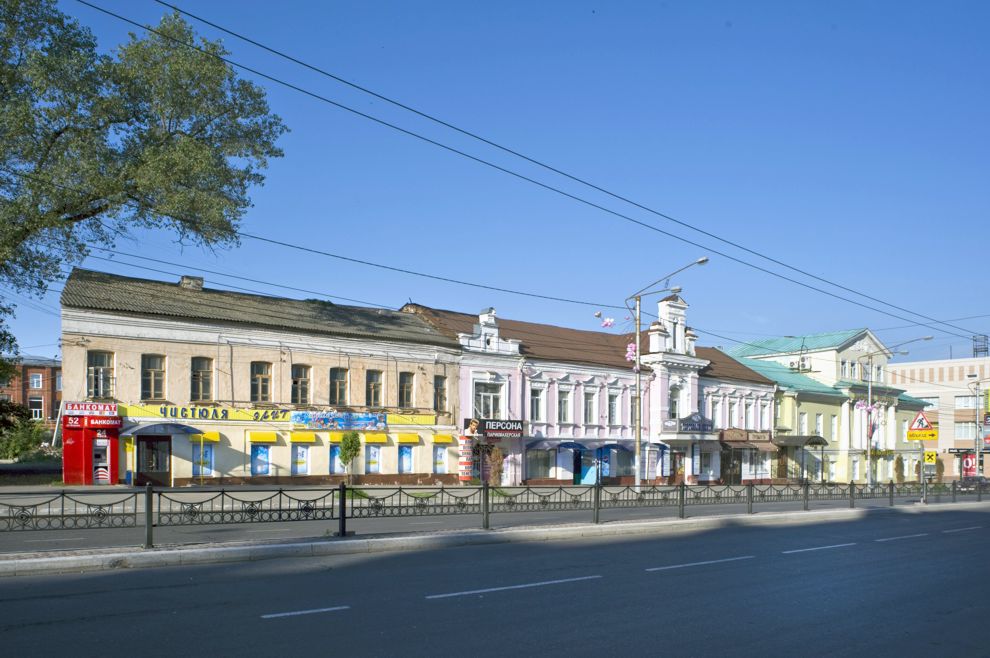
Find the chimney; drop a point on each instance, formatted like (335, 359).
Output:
(191, 282)
(658, 338)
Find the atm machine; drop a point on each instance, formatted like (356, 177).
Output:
(101, 458)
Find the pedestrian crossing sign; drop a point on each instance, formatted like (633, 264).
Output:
(921, 429)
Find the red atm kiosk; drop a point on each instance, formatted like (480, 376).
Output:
(90, 449)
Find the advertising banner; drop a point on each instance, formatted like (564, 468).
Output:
(339, 420)
(969, 465)
(90, 409)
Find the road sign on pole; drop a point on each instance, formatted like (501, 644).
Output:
(931, 456)
(921, 429)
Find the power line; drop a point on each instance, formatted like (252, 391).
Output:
(544, 165)
(508, 172)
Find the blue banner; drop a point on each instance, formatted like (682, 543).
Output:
(339, 420)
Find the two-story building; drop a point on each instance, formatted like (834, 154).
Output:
(203, 385)
(36, 384)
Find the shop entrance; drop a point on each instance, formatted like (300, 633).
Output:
(154, 459)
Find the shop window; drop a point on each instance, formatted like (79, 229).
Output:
(261, 381)
(37, 408)
(439, 394)
(35, 380)
(405, 459)
(338, 386)
(406, 380)
(201, 378)
(152, 377)
(300, 459)
(336, 466)
(300, 384)
(202, 459)
(99, 374)
(539, 463)
(373, 388)
(439, 460)
(372, 456)
(260, 460)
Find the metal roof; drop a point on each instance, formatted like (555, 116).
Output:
(789, 379)
(809, 343)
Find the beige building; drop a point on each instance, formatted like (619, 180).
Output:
(219, 387)
(955, 392)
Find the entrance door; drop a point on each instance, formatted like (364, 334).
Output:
(677, 466)
(154, 459)
(589, 472)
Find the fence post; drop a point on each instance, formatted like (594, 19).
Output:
(149, 538)
(807, 491)
(342, 517)
(749, 498)
(852, 494)
(680, 500)
(891, 492)
(597, 501)
(485, 519)
(924, 491)
(953, 491)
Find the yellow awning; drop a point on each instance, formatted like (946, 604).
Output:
(205, 436)
(409, 438)
(443, 438)
(263, 437)
(302, 437)
(375, 437)
(336, 437)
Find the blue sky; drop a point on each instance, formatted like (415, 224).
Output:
(848, 139)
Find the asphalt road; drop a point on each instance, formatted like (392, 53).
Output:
(35, 541)
(887, 585)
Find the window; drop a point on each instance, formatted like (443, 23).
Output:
(4, 397)
(372, 454)
(338, 386)
(717, 413)
(439, 460)
(733, 414)
(864, 372)
(803, 423)
(406, 390)
(536, 404)
(834, 429)
(35, 380)
(613, 408)
(58, 381)
(336, 466)
(373, 389)
(878, 374)
(300, 459)
(563, 406)
(852, 370)
(673, 399)
(4, 382)
(764, 415)
(965, 402)
(843, 370)
(260, 462)
(405, 459)
(904, 430)
(487, 400)
(589, 409)
(300, 385)
(750, 416)
(820, 424)
(539, 464)
(37, 407)
(965, 431)
(202, 458)
(855, 468)
(201, 379)
(99, 374)
(261, 381)
(152, 377)
(439, 394)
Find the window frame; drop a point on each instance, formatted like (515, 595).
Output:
(338, 387)
(373, 388)
(613, 409)
(564, 406)
(590, 407)
(261, 381)
(153, 379)
(406, 390)
(537, 404)
(301, 379)
(37, 413)
(100, 378)
(200, 378)
(31, 380)
(440, 393)
(490, 395)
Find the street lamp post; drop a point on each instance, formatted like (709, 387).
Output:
(638, 402)
(977, 447)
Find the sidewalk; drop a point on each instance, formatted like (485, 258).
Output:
(20, 564)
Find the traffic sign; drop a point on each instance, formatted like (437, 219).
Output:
(931, 457)
(921, 429)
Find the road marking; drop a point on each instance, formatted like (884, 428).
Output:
(314, 611)
(698, 564)
(920, 534)
(502, 589)
(36, 541)
(818, 548)
(975, 527)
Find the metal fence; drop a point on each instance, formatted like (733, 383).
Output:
(183, 507)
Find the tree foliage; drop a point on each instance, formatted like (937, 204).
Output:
(153, 135)
(11, 414)
(24, 438)
(350, 447)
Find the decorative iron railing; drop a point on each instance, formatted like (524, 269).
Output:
(64, 510)
(403, 501)
(541, 499)
(220, 506)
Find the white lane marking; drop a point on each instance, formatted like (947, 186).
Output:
(920, 534)
(975, 527)
(507, 587)
(38, 541)
(698, 564)
(314, 611)
(818, 548)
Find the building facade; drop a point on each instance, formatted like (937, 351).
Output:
(36, 384)
(211, 386)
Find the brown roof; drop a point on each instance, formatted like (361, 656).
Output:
(540, 341)
(723, 366)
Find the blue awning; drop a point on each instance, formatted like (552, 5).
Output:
(539, 445)
(570, 445)
(615, 446)
(160, 428)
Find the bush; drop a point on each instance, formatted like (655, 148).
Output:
(350, 447)
(23, 439)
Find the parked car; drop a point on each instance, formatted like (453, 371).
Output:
(971, 483)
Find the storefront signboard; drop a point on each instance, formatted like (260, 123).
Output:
(90, 409)
(339, 420)
(203, 413)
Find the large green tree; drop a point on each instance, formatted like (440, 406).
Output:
(152, 135)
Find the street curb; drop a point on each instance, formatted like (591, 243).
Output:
(139, 558)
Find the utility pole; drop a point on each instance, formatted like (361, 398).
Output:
(639, 403)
